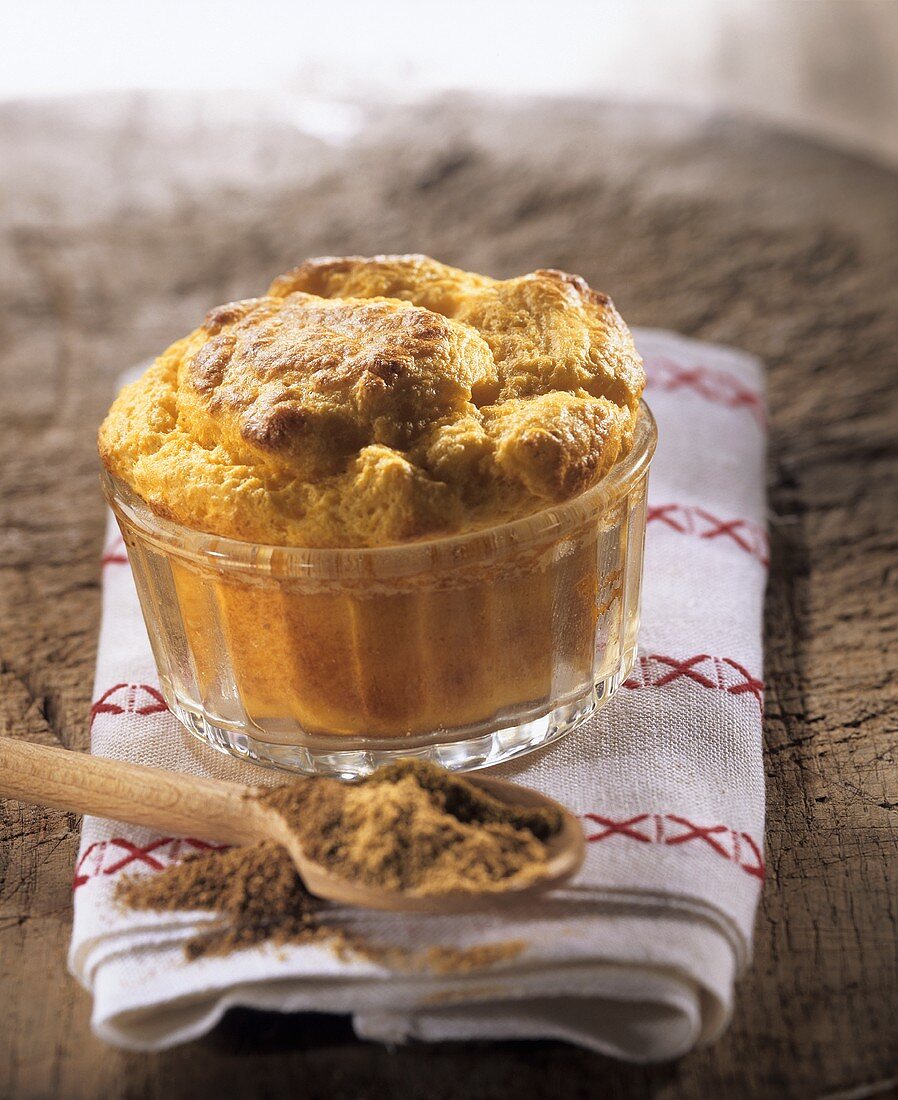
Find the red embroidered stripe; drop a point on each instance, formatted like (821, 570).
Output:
(711, 673)
(688, 519)
(109, 857)
(672, 829)
(715, 386)
(652, 670)
(114, 554)
(139, 699)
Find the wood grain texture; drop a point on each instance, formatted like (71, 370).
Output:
(169, 802)
(124, 219)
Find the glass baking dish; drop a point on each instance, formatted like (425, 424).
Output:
(466, 650)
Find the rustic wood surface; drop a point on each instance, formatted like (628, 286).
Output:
(123, 219)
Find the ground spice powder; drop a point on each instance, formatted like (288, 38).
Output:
(410, 826)
(254, 891)
(414, 827)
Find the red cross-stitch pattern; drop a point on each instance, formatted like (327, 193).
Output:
(715, 386)
(672, 829)
(712, 673)
(114, 554)
(109, 857)
(139, 699)
(687, 519)
(623, 828)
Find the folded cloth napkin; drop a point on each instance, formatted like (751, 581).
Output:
(637, 957)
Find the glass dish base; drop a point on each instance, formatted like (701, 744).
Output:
(461, 750)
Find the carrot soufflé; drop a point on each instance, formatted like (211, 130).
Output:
(392, 454)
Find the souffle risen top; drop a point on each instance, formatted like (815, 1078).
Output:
(364, 402)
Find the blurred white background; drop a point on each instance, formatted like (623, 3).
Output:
(825, 67)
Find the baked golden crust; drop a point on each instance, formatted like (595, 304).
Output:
(364, 402)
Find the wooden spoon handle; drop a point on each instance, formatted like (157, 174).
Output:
(170, 802)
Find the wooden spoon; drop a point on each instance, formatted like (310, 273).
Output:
(187, 805)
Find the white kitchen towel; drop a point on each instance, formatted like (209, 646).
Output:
(636, 958)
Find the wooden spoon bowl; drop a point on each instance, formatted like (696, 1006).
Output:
(566, 850)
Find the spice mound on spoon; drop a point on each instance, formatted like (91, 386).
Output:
(409, 837)
(430, 839)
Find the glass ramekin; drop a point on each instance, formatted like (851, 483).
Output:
(466, 650)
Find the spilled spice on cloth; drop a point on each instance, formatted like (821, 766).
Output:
(255, 891)
(410, 826)
(414, 827)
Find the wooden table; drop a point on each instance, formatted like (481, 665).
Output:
(124, 219)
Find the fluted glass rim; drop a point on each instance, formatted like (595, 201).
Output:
(225, 553)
